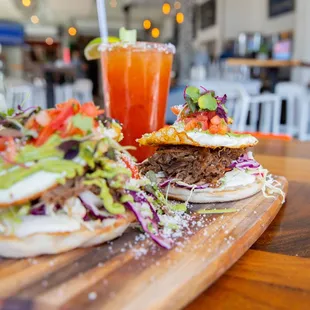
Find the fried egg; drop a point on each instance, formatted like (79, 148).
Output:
(177, 136)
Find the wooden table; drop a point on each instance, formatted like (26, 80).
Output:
(275, 272)
(272, 65)
(263, 63)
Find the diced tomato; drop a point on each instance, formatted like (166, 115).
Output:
(223, 129)
(44, 135)
(213, 129)
(192, 124)
(175, 110)
(53, 113)
(62, 117)
(71, 102)
(211, 114)
(202, 117)
(32, 123)
(89, 109)
(187, 120)
(205, 125)
(215, 120)
(132, 167)
(2, 144)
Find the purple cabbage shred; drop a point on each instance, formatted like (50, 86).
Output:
(149, 225)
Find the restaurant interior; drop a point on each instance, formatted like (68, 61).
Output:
(260, 60)
(257, 52)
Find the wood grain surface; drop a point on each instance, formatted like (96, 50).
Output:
(129, 274)
(268, 63)
(274, 274)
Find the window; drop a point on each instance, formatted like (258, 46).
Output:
(279, 7)
(207, 14)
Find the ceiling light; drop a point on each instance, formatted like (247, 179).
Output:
(155, 33)
(72, 31)
(166, 8)
(26, 2)
(180, 18)
(177, 5)
(147, 24)
(34, 19)
(49, 41)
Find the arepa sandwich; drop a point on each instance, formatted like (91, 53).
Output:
(66, 182)
(199, 159)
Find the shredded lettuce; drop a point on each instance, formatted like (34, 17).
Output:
(271, 186)
(87, 149)
(13, 215)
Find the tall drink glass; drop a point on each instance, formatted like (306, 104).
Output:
(136, 80)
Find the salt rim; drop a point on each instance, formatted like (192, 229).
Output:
(140, 46)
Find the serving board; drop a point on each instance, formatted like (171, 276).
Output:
(132, 272)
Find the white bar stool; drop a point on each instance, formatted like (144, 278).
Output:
(19, 95)
(82, 90)
(269, 122)
(297, 114)
(3, 106)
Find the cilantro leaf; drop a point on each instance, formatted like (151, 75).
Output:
(84, 123)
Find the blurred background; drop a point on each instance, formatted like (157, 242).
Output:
(256, 51)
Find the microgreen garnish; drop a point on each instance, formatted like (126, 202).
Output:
(203, 111)
(193, 93)
(10, 112)
(207, 102)
(203, 100)
(191, 104)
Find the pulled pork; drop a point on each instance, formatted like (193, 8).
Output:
(59, 194)
(192, 165)
(73, 188)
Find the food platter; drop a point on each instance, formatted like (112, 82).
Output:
(134, 273)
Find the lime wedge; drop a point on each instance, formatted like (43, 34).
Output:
(91, 50)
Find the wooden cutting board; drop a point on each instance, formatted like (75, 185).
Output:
(131, 273)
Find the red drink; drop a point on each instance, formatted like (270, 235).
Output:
(136, 81)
